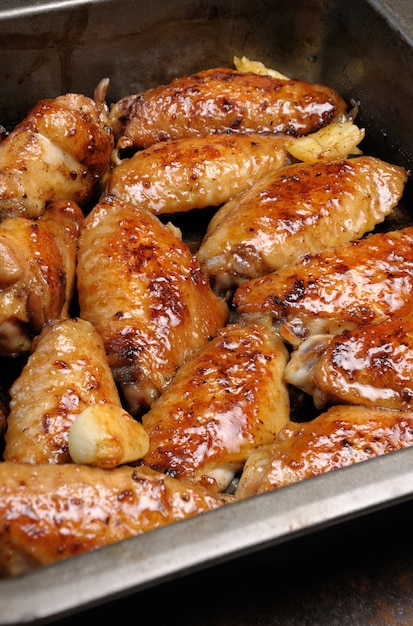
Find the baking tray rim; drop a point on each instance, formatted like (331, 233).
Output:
(208, 539)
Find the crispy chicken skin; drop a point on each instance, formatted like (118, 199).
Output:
(361, 282)
(66, 372)
(370, 365)
(301, 208)
(59, 151)
(142, 289)
(341, 436)
(222, 403)
(37, 273)
(222, 100)
(51, 512)
(196, 172)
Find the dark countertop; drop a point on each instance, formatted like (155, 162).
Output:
(356, 573)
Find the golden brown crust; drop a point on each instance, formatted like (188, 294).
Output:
(196, 172)
(37, 273)
(343, 287)
(301, 208)
(58, 151)
(222, 100)
(51, 512)
(370, 365)
(341, 436)
(226, 400)
(66, 372)
(144, 292)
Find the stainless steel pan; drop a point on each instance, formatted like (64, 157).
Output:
(364, 49)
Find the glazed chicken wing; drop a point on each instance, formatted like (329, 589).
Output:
(37, 273)
(370, 365)
(196, 172)
(142, 289)
(301, 208)
(361, 282)
(49, 513)
(341, 436)
(223, 100)
(66, 372)
(226, 400)
(59, 151)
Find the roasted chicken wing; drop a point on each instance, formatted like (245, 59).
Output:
(223, 100)
(341, 436)
(301, 208)
(196, 172)
(361, 282)
(370, 365)
(66, 372)
(37, 273)
(226, 400)
(143, 291)
(49, 513)
(59, 151)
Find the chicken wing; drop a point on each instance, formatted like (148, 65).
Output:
(341, 436)
(142, 289)
(301, 208)
(361, 282)
(49, 513)
(37, 273)
(66, 372)
(223, 100)
(196, 172)
(222, 403)
(371, 365)
(59, 151)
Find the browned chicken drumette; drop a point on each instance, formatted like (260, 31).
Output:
(301, 208)
(66, 372)
(52, 512)
(361, 282)
(370, 365)
(59, 151)
(341, 436)
(223, 100)
(143, 291)
(223, 402)
(37, 273)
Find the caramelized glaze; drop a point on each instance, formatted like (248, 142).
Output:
(358, 283)
(51, 512)
(301, 208)
(59, 151)
(341, 436)
(222, 403)
(370, 365)
(222, 100)
(196, 172)
(142, 289)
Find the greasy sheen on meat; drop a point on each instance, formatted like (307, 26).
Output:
(301, 208)
(143, 291)
(59, 151)
(341, 436)
(358, 283)
(222, 100)
(37, 273)
(196, 172)
(49, 513)
(66, 372)
(370, 365)
(223, 402)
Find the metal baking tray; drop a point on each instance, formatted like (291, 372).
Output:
(362, 48)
